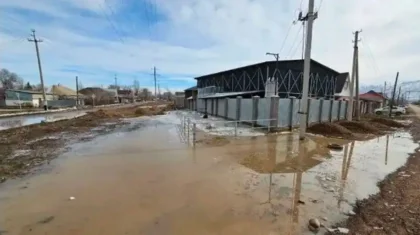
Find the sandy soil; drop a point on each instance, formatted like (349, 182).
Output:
(24, 148)
(396, 209)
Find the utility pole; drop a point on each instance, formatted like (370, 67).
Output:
(399, 97)
(154, 77)
(36, 41)
(384, 95)
(353, 78)
(310, 17)
(276, 55)
(116, 88)
(77, 92)
(357, 76)
(393, 94)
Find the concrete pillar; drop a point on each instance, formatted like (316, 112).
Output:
(226, 107)
(330, 117)
(308, 112)
(339, 110)
(255, 102)
(321, 108)
(238, 107)
(205, 105)
(274, 112)
(216, 109)
(212, 106)
(292, 105)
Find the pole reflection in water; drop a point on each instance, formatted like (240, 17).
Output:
(345, 170)
(297, 188)
(271, 155)
(386, 150)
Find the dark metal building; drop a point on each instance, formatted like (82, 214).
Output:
(251, 80)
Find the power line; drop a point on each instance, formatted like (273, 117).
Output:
(110, 22)
(285, 38)
(294, 41)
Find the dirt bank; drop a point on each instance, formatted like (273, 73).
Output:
(396, 208)
(357, 130)
(23, 148)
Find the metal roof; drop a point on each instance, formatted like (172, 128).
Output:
(227, 94)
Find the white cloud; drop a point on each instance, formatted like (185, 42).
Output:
(233, 33)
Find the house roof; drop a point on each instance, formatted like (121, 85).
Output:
(62, 90)
(27, 91)
(191, 88)
(97, 91)
(372, 95)
(266, 63)
(341, 80)
(124, 92)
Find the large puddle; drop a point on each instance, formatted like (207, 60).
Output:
(25, 120)
(145, 181)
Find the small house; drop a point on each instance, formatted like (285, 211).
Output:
(25, 98)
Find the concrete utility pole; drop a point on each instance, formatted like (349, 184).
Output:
(77, 92)
(154, 77)
(310, 17)
(357, 76)
(393, 94)
(353, 78)
(276, 55)
(36, 41)
(384, 95)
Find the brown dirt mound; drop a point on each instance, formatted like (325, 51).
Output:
(330, 129)
(360, 127)
(380, 126)
(387, 122)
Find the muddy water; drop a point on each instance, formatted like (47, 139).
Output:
(147, 182)
(18, 121)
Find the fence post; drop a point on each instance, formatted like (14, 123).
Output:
(292, 104)
(255, 102)
(321, 108)
(188, 131)
(194, 133)
(346, 108)
(274, 112)
(331, 111)
(238, 107)
(226, 107)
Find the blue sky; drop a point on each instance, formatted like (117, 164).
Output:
(98, 39)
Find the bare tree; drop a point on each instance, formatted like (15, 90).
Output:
(38, 87)
(10, 80)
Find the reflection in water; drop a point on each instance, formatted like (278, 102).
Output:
(345, 170)
(386, 150)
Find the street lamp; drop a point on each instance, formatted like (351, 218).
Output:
(276, 55)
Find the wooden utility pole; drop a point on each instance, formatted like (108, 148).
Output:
(77, 92)
(303, 111)
(393, 94)
(36, 41)
(353, 78)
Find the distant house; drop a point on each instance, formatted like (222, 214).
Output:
(16, 98)
(125, 95)
(98, 96)
(342, 87)
(376, 99)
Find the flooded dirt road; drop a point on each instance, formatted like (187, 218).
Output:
(143, 180)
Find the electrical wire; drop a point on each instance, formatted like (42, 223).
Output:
(285, 38)
(111, 23)
(294, 41)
